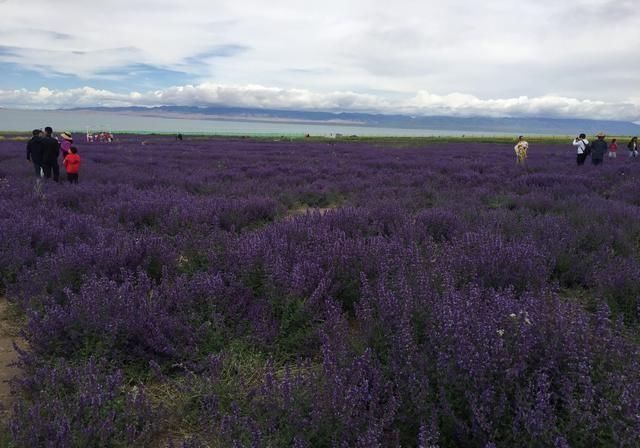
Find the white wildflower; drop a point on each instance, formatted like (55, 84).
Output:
(134, 392)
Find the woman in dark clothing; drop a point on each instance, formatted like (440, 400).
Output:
(50, 153)
(34, 151)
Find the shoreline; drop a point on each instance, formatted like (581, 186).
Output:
(120, 123)
(390, 139)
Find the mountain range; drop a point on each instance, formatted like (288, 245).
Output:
(531, 125)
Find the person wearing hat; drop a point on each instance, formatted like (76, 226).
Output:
(598, 149)
(65, 144)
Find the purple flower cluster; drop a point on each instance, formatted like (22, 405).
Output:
(65, 405)
(312, 294)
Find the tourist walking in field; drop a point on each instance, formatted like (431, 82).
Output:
(72, 165)
(613, 149)
(34, 151)
(65, 144)
(599, 149)
(582, 145)
(521, 149)
(50, 152)
(632, 146)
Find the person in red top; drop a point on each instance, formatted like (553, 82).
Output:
(72, 165)
(613, 149)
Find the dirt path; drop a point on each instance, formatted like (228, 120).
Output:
(8, 334)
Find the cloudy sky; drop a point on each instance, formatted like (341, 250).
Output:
(564, 58)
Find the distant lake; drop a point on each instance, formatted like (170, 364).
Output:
(80, 121)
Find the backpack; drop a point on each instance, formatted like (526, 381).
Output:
(587, 148)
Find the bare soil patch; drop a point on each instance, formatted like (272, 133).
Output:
(8, 356)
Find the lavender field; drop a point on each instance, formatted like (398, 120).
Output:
(245, 293)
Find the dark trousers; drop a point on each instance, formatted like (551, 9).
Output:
(581, 158)
(49, 167)
(72, 178)
(37, 166)
(596, 161)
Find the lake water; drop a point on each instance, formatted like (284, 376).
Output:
(80, 121)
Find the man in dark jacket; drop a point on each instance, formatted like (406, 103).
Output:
(598, 149)
(34, 151)
(50, 152)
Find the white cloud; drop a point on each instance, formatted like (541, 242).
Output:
(523, 106)
(546, 50)
(421, 103)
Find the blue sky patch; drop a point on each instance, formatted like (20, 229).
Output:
(140, 77)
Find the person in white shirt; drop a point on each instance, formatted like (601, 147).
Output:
(581, 143)
(633, 147)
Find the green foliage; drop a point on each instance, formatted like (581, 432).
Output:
(192, 262)
(297, 335)
(5, 436)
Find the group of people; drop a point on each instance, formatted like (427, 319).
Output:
(102, 137)
(596, 149)
(43, 152)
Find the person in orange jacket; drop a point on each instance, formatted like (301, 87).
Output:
(72, 165)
